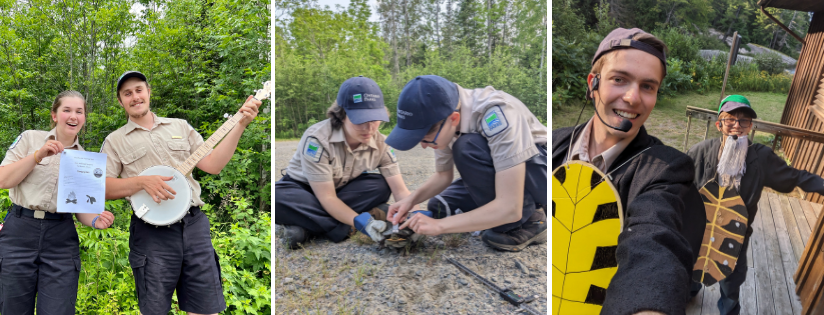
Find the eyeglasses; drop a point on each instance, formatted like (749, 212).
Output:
(729, 122)
(436, 135)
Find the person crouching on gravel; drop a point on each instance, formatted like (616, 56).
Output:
(499, 148)
(341, 170)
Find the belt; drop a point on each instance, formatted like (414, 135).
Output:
(39, 214)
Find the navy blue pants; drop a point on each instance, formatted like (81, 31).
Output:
(296, 204)
(476, 187)
(731, 285)
(38, 258)
(179, 257)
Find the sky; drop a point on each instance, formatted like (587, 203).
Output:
(372, 4)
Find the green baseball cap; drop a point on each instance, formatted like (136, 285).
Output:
(734, 102)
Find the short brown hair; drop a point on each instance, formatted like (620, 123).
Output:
(336, 115)
(58, 101)
(646, 38)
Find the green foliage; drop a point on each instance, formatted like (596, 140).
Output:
(681, 44)
(202, 59)
(571, 60)
(500, 44)
(770, 62)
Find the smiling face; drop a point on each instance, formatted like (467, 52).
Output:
(628, 89)
(134, 96)
(736, 128)
(70, 116)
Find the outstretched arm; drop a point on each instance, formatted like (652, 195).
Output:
(222, 154)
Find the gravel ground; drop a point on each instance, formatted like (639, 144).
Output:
(357, 277)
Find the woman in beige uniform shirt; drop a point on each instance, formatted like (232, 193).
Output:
(39, 248)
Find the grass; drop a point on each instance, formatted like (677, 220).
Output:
(668, 120)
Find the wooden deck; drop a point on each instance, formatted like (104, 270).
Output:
(780, 232)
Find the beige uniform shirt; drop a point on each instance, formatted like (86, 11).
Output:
(512, 131)
(132, 149)
(580, 150)
(324, 156)
(38, 191)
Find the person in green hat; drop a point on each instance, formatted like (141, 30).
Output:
(733, 163)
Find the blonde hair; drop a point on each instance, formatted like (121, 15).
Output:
(58, 101)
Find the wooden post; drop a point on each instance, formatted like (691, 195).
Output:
(707, 131)
(687, 136)
(729, 62)
(775, 140)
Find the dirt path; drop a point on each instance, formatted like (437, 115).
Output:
(356, 277)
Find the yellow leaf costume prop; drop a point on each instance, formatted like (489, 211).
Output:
(587, 218)
(724, 235)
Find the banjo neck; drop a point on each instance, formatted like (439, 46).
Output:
(187, 166)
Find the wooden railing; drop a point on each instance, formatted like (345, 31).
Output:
(778, 130)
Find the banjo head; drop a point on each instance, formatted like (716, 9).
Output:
(166, 212)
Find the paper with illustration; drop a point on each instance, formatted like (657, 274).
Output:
(81, 185)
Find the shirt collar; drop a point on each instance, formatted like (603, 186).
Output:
(131, 126)
(580, 150)
(52, 135)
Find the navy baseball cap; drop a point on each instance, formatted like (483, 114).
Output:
(128, 75)
(423, 102)
(362, 100)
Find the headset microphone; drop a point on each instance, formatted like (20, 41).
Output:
(625, 126)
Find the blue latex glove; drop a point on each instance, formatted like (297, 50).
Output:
(426, 213)
(369, 226)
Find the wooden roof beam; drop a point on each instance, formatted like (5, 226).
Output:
(786, 29)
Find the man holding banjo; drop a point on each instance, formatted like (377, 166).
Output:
(177, 255)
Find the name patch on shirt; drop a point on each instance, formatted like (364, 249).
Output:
(494, 121)
(312, 149)
(392, 156)
(14, 144)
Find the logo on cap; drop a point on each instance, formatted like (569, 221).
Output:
(402, 114)
(357, 98)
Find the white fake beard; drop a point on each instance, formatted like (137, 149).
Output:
(732, 164)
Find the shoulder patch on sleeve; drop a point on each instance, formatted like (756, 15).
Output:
(391, 153)
(17, 140)
(494, 121)
(312, 149)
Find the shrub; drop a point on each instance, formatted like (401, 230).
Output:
(770, 62)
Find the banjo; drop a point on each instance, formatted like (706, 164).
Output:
(169, 212)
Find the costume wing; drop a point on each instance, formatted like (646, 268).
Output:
(727, 219)
(587, 218)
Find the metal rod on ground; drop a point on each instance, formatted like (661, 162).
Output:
(687, 136)
(729, 62)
